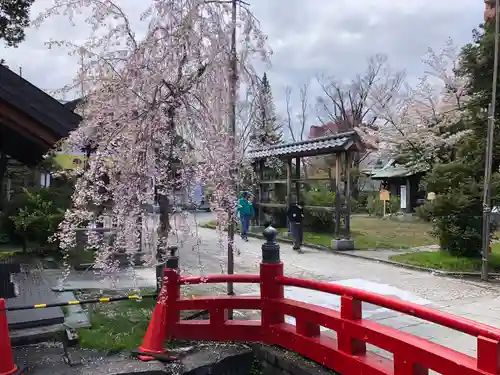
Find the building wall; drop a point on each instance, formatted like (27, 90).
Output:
(489, 9)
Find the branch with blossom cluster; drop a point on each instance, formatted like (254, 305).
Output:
(423, 124)
(214, 148)
(140, 95)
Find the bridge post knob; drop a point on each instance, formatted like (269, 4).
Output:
(173, 258)
(270, 248)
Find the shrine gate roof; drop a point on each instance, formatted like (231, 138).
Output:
(332, 144)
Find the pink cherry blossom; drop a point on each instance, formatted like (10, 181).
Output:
(141, 93)
(420, 120)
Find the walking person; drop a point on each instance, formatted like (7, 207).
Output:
(295, 216)
(246, 212)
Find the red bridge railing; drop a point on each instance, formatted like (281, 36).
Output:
(346, 353)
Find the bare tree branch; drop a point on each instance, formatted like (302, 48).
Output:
(304, 105)
(297, 129)
(351, 105)
(288, 98)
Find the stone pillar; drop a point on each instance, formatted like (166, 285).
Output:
(270, 290)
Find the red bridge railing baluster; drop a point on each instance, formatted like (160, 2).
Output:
(488, 355)
(306, 328)
(218, 318)
(270, 290)
(350, 309)
(173, 288)
(347, 354)
(406, 367)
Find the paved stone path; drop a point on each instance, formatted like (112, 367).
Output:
(204, 253)
(474, 300)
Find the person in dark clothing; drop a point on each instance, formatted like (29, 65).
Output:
(295, 216)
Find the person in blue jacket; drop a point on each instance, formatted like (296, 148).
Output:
(246, 212)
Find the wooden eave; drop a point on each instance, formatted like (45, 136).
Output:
(31, 121)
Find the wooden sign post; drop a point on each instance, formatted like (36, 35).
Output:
(384, 196)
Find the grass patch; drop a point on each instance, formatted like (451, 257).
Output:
(121, 326)
(7, 254)
(375, 233)
(441, 260)
(212, 224)
(117, 326)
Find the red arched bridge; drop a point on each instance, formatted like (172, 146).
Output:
(346, 353)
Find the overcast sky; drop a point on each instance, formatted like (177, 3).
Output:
(308, 37)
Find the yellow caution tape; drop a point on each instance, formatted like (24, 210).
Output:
(83, 302)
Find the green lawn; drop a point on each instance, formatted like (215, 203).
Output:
(7, 254)
(117, 326)
(443, 261)
(374, 233)
(121, 326)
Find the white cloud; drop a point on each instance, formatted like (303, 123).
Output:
(308, 37)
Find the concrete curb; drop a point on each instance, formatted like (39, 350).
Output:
(472, 275)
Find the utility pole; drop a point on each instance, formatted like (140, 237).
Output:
(489, 153)
(233, 82)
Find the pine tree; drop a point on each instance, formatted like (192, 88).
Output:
(266, 131)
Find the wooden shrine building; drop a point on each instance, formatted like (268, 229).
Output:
(342, 146)
(31, 121)
(401, 182)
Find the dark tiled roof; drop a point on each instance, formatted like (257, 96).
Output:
(393, 172)
(316, 146)
(71, 105)
(41, 107)
(316, 131)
